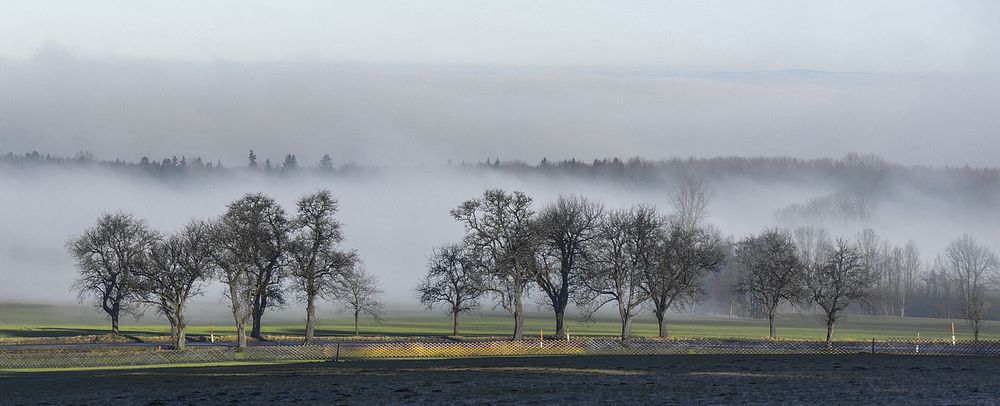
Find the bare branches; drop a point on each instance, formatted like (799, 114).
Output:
(841, 279)
(772, 272)
(451, 279)
(565, 233)
(179, 265)
(624, 254)
(972, 268)
(109, 255)
(685, 255)
(499, 238)
(359, 292)
(315, 262)
(249, 246)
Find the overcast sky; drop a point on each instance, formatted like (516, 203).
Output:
(856, 35)
(914, 81)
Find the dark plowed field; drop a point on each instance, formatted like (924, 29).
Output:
(840, 379)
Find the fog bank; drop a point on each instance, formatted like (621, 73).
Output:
(395, 216)
(404, 114)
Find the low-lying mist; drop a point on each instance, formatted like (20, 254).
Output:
(394, 216)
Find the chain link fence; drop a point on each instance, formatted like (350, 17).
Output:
(112, 356)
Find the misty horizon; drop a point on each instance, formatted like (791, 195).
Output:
(403, 113)
(395, 216)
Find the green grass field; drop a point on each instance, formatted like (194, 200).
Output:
(29, 320)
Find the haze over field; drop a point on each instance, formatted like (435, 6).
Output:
(395, 216)
(408, 86)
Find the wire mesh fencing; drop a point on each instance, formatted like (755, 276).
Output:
(119, 356)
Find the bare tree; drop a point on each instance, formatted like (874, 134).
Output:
(972, 269)
(248, 249)
(876, 255)
(565, 232)
(177, 268)
(842, 280)
(772, 271)
(623, 256)
(315, 262)
(108, 256)
(498, 235)
(451, 279)
(687, 251)
(359, 293)
(690, 202)
(685, 256)
(907, 260)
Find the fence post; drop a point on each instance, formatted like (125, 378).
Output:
(953, 333)
(873, 345)
(541, 338)
(918, 342)
(336, 357)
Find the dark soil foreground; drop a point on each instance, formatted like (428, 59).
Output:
(682, 379)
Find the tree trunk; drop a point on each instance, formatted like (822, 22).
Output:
(560, 325)
(310, 318)
(829, 332)
(237, 308)
(180, 341)
(241, 335)
(770, 323)
(356, 313)
(255, 330)
(518, 319)
(662, 323)
(626, 328)
(454, 324)
(114, 324)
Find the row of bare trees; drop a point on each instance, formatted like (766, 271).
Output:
(637, 259)
(808, 268)
(571, 251)
(575, 251)
(254, 249)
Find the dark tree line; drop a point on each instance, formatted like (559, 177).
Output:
(174, 167)
(859, 179)
(255, 249)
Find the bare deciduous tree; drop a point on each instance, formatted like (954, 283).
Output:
(685, 256)
(843, 279)
(690, 202)
(359, 293)
(686, 251)
(451, 279)
(565, 232)
(909, 265)
(972, 269)
(624, 254)
(878, 255)
(177, 268)
(315, 262)
(772, 271)
(108, 256)
(248, 249)
(498, 235)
